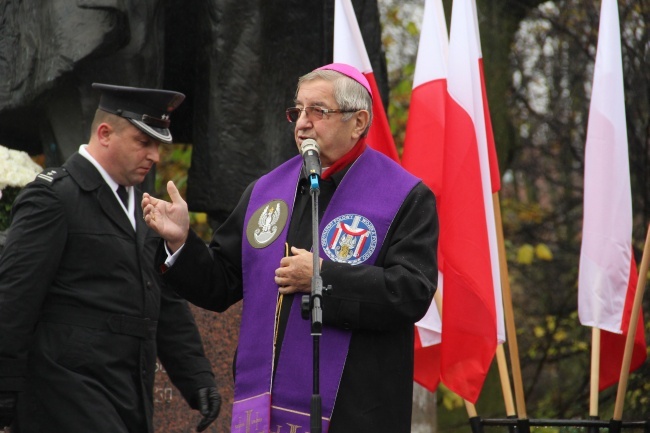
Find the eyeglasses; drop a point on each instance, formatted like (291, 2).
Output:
(293, 113)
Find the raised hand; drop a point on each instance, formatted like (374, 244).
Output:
(170, 220)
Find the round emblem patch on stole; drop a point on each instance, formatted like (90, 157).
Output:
(267, 223)
(349, 239)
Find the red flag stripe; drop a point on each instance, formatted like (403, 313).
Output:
(426, 133)
(495, 175)
(422, 156)
(469, 313)
(380, 136)
(350, 48)
(426, 367)
(613, 345)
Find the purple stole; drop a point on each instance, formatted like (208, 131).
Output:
(373, 189)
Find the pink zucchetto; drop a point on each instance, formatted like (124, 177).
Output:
(349, 71)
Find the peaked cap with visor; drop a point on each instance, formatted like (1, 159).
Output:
(147, 109)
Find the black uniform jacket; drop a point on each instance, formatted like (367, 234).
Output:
(379, 303)
(83, 314)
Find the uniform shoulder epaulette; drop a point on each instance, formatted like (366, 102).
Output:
(50, 175)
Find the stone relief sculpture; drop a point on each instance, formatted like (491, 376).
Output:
(237, 61)
(50, 53)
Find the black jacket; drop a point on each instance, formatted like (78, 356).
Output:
(379, 303)
(79, 303)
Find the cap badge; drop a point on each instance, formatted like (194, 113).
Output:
(349, 238)
(163, 122)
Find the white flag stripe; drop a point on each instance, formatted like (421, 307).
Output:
(487, 193)
(606, 251)
(476, 30)
(430, 65)
(431, 62)
(348, 42)
(464, 86)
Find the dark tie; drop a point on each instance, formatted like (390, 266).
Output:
(124, 195)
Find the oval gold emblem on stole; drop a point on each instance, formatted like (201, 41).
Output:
(266, 223)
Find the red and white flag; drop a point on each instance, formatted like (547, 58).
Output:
(422, 156)
(349, 48)
(607, 274)
(472, 315)
(425, 128)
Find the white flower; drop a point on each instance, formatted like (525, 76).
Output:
(16, 168)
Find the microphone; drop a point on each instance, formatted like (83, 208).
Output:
(311, 156)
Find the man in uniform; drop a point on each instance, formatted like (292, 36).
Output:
(83, 315)
(377, 242)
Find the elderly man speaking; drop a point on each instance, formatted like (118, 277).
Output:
(378, 233)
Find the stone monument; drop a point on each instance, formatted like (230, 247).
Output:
(237, 61)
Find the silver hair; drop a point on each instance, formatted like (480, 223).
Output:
(348, 93)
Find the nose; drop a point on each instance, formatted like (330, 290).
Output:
(303, 119)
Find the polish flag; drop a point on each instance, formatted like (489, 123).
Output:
(349, 48)
(472, 318)
(422, 156)
(607, 274)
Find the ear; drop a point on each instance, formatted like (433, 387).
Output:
(361, 119)
(103, 133)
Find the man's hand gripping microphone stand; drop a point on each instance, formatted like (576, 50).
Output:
(312, 303)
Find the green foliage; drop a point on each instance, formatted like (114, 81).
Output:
(542, 201)
(401, 29)
(538, 60)
(448, 399)
(400, 102)
(175, 161)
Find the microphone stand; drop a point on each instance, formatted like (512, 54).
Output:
(312, 303)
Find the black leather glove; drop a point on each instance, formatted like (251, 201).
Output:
(209, 405)
(7, 408)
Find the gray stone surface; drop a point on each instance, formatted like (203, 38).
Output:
(50, 53)
(236, 60)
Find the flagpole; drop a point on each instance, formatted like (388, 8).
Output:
(505, 381)
(629, 341)
(437, 298)
(595, 372)
(471, 409)
(511, 331)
